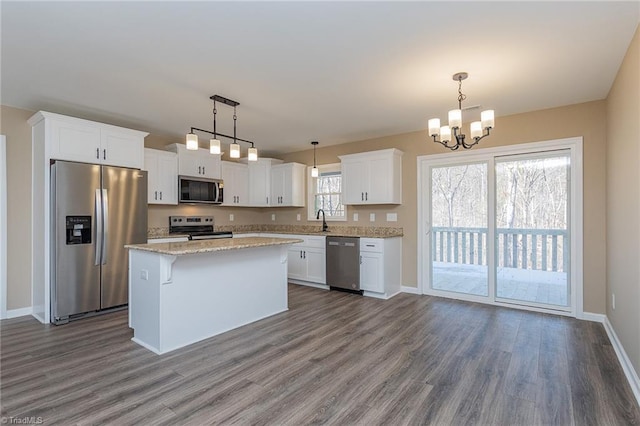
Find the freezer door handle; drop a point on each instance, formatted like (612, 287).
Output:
(105, 225)
(98, 226)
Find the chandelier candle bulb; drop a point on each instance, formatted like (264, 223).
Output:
(253, 154)
(214, 146)
(192, 141)
(487, 118)
(445, 133)
(234, 150)
(455, 118)
(434, 127)
(476, 129)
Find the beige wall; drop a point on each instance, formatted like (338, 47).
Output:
(586, 120)
(623, 202)
(13, 124)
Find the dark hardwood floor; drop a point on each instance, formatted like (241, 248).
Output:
(333, 358)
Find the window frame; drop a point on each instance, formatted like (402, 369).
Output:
(311, 192)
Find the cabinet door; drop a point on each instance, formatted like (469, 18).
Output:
(75, 142)
(277, 185)
(121, 149)
(153, 175)
(235, 177)
(296, 264)
(316, 270)
(259, 183)
(371, 272)
(211, 165)
(242, 184)
(354, 174)
(189, 164)
(167, 180)
(379, 179)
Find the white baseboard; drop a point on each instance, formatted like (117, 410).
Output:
(589, 316)
(20, 312)
(410, 290)
(627, 366)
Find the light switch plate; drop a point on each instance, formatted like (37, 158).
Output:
(231, 217)
(372, 217)
(144, 275)
(298, 217)
(273, 216)
(355, 217)
(392, 217)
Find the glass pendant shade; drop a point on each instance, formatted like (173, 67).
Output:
(455, 118)
(253, 154)
(445, 133)
(434, 127)
(214, 146)
(234, 150)
(487, 118)
(192, 141)
(476, 129)
(314, 172)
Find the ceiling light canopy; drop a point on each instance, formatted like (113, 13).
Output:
(479, 129)
(214, 144)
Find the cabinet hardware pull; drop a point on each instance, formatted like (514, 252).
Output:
(267, 200)
(366, 196)
(370, 245)
(362, 196)
(156, 196)
(300, 254)
(305, 255)
(161, 195)
(203, 172)
(98, 153)
(199, 170)
(104, 154)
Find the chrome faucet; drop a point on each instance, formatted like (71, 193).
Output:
(325, 228)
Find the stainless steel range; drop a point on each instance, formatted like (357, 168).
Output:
(197, 227)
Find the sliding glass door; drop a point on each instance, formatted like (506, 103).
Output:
(497, 228)
(459, 229)
(532, 229)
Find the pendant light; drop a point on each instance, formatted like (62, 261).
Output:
(234, 148)
(314, 170)
(214, 144)
(192, 141)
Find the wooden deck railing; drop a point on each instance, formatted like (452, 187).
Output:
(536, 249)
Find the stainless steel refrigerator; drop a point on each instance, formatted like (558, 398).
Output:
(95, 211)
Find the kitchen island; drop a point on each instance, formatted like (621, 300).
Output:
(184, 292)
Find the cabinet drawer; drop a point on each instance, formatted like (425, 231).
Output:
(318, 242)
(375, 245)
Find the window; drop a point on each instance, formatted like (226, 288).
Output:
(325, 192)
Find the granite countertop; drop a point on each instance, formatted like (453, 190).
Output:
(209, 246)
(334, 230)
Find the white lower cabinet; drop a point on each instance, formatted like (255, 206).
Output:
(381, 266)
(306, 260)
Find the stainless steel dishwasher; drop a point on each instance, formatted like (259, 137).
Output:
(343, 263)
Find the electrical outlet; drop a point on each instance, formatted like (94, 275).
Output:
(298, 217)
(613, 301)
(372, 217)
(355, 217)
(273, 216)
(231, 217)
(392, 217)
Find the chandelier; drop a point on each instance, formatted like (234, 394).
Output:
(479, 129)
(214, 143)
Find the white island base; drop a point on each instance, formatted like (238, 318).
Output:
(176, 300)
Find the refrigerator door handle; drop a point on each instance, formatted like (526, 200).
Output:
(98, 226)
(105, 225)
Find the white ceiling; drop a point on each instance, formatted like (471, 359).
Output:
(302, 71)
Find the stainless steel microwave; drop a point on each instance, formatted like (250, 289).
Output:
(200, 190)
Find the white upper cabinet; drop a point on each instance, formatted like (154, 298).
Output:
(198, 163)
(373, 177)
(162, 170)
(75, 139)
(287, 185)
(260, 181)
(235, 177)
